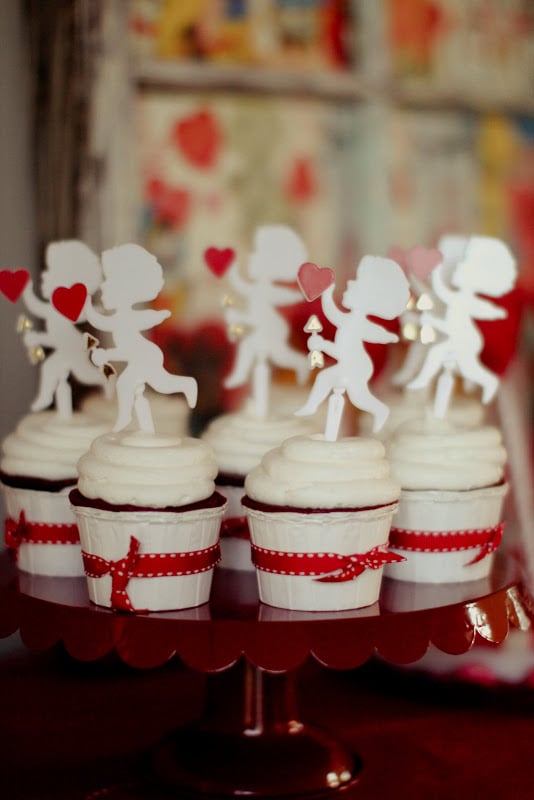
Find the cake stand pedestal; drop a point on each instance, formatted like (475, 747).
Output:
(256, 747)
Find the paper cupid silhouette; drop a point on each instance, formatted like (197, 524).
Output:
(72, 270)
(260, 329)
(488, 268)
(131, 276)
(354, 368)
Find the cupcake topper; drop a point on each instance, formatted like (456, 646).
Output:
(131, 276)
(261, 331)
(67, 261)
(485, 267)
(354, 368)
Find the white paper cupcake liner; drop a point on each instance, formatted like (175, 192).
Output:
(61, 560)
(439, 511)
(235, 550)
(340, 532)
(108, 535)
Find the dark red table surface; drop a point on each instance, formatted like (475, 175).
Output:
(68, 727)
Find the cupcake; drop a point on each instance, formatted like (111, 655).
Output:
(149, 520)
(37, 471)
(239, 440)
(449, 521)
(319, 514)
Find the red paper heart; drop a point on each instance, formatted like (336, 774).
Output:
(313, 280)
(199, 138)
(422, 260)
(219, 260)
(12, 284)
(69, 301)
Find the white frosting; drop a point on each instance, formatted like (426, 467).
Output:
(240, 440)
(45, 446)
(143, 469)
(309, 472)
(437, 454)
(170, 412)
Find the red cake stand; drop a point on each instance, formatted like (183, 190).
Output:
(257, 747)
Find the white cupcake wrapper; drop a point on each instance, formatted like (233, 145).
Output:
(60, 560)
(342, 532)
(446, 511)
(107, 534)
(235, 551)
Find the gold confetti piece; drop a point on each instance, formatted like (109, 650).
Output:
(24, 324)
(227, 300)
(316, 359)
(313, 325)
(90, 341)
(410, 332)
(428, 334)
(425, 303)
(109, 371)
(236, 331)
(36, 354)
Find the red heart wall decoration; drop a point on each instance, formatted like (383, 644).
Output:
(13, 283)
(219, 260)
(313, 280)
(70, 301)
(199, 138)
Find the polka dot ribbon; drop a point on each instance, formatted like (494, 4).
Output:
(146, 565)
(21, 531)
(486, 540)
(323, 567)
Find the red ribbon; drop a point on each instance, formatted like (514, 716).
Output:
(344, 567)
(487, 539)
(21, 531)
(146, 565)
(236, 527)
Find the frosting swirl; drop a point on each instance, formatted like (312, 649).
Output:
(239, 440)
(310, 472)
(136, 468)
(436, 454)
(44, 445)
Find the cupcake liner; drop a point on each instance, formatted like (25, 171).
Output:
(61, 560)
(235, 550)
(340, 532)
(451, 511)
(108, 535)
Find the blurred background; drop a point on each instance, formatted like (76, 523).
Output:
(181, 124)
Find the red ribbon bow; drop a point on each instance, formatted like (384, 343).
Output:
(121, 571)
(16, 532)
(146, 565)
(328, 567)
(20, 531)
(486, 539)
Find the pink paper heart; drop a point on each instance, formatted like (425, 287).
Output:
(398, 255)
(219, 260)
(313, 280)
(70, 301)
(421, 261)
(13, 283)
